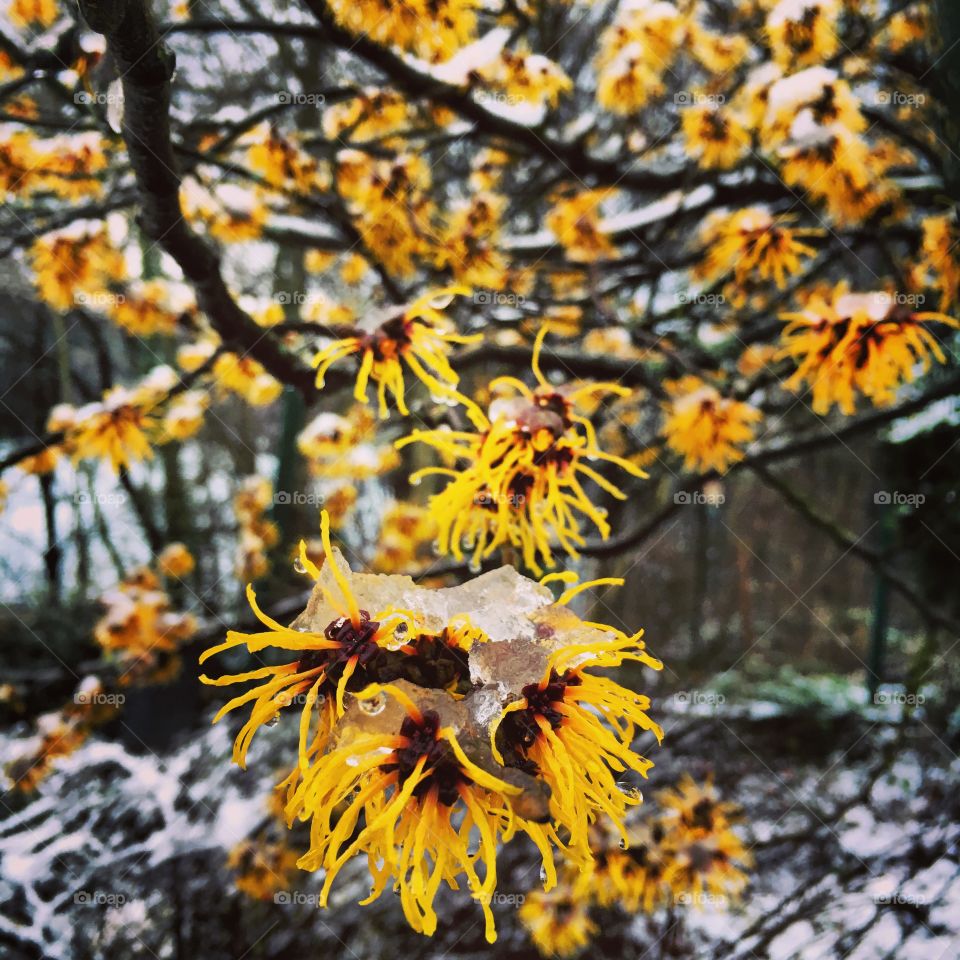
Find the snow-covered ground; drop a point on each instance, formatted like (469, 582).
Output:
(853, 824)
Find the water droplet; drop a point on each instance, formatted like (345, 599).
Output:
(623, 844)
(373, 705)
(399, 637)
(303, 629)
(414, 481)
(353, 761)
(274, 720)
(299, 566)
(543, 873)
(474, 566)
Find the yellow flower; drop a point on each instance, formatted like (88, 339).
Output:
(575, 222)
(58, 736)
(753, 242)
(575, 728)
(35, 14)
(719, 53)
(257, 535)
(114, 430)
(262, 868)
(635, 52)
(184, 415)
(559, 921)
(422, 799)
(327, 663)
(281, 163)
(372, 114)
(941, 238)
(247, 378)
(695, 811)
(391, 200)
(470, 250)
(869, 343)
(406, 533)
(354, 269)
(521, 483)
(837, 167)
(192, 356)
(404, 716)
(175, 560)
(633, 875)
(528, 77)
(41, 463)
(434, 30)
(706, 856)
(707, 429)
(817, 99)
(906, 27)
(715, 135)
(804, 32)
(144, 311)
(141, 630)
(417, 335)
(70, 268)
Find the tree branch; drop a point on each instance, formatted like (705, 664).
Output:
(146, 67)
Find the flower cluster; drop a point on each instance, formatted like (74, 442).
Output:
(707, 429)
(71, 264)
(435, 725)
(59, 733)
(433, 30)
(867, 343)
(406, 536)
(139, 630)
(522, 473)
(753, 245)
(339, 446)
(685, 854)
(417, 335)
(116, 429)
(257, 534)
